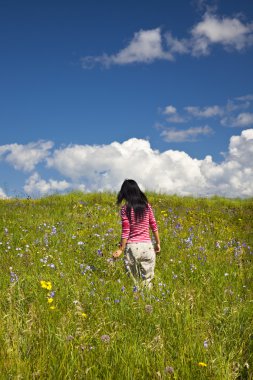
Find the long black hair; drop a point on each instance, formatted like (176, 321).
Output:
(134, 197)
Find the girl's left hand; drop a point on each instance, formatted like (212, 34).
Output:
(117, 253)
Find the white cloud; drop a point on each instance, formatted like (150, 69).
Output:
(25, 157)
(177, 46)
(35, 185)
(234, 176)
(146, 46)
(176, 119)
(190, 134)
(229, 32)
(244, 119)
(2, 194)
(170, 110)
(204, 112)
(232, 114)
(245, 98)
(104, 167)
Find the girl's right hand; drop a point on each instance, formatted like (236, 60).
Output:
(157, 248)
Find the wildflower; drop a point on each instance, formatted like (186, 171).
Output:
(206, 343)
(46, 285)
(50, 300)
(105, 338)
(149, 308)
(84, 315)
(52, 308)
(54, 231)
(201, 364)
(117, 301)
(13, 276)
(169, 370)
(135, 289)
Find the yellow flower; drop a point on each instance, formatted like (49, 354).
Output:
(52, 307)
(50, 300)
(46, 285)
(201, 364)
(84, 315)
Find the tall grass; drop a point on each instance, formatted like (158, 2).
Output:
(68, 311)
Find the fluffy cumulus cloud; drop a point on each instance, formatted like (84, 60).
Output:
(147, 46)
(2, 194)
(104, 167)
(234, 176)
(36, 184)
(25, 157)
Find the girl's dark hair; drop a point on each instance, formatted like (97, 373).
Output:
(134, 198)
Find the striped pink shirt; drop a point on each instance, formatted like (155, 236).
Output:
(137, 231)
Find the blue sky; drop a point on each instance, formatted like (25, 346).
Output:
(93, 92)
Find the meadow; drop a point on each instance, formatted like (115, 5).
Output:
(69, 311)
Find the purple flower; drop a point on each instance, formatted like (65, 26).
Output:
(13, 276)
(169, 370)
(53, 232)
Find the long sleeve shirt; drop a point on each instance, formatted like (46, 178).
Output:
(138, 231)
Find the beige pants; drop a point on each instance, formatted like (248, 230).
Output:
(140, 261)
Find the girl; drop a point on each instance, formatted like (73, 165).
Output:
(136, 218)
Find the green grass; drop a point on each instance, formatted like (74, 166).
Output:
(98, 325)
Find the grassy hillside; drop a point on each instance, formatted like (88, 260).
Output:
(68, 311)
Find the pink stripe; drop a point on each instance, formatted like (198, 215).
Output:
(137, 231)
